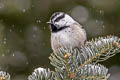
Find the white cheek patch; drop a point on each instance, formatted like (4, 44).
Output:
(61, 23)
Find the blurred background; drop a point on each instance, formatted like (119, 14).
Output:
(25, 36)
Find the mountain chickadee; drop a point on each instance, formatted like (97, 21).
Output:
(65, 32)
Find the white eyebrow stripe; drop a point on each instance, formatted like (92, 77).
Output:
(57, 17)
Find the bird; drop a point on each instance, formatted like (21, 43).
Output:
(66, 32)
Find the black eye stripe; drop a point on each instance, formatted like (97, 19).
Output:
(55, 29)
(60, 17)
(54, 15)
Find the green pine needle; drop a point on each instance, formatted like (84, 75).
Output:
(69, 62)
(74, 64)
(41, 74)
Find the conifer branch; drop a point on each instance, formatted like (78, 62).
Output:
(100, 49)
(92, 71)
(74, 64)
(41, 74)
(92, 52)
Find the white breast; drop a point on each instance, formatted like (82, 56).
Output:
(69, 37)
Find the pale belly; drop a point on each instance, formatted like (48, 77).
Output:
(67, 39)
